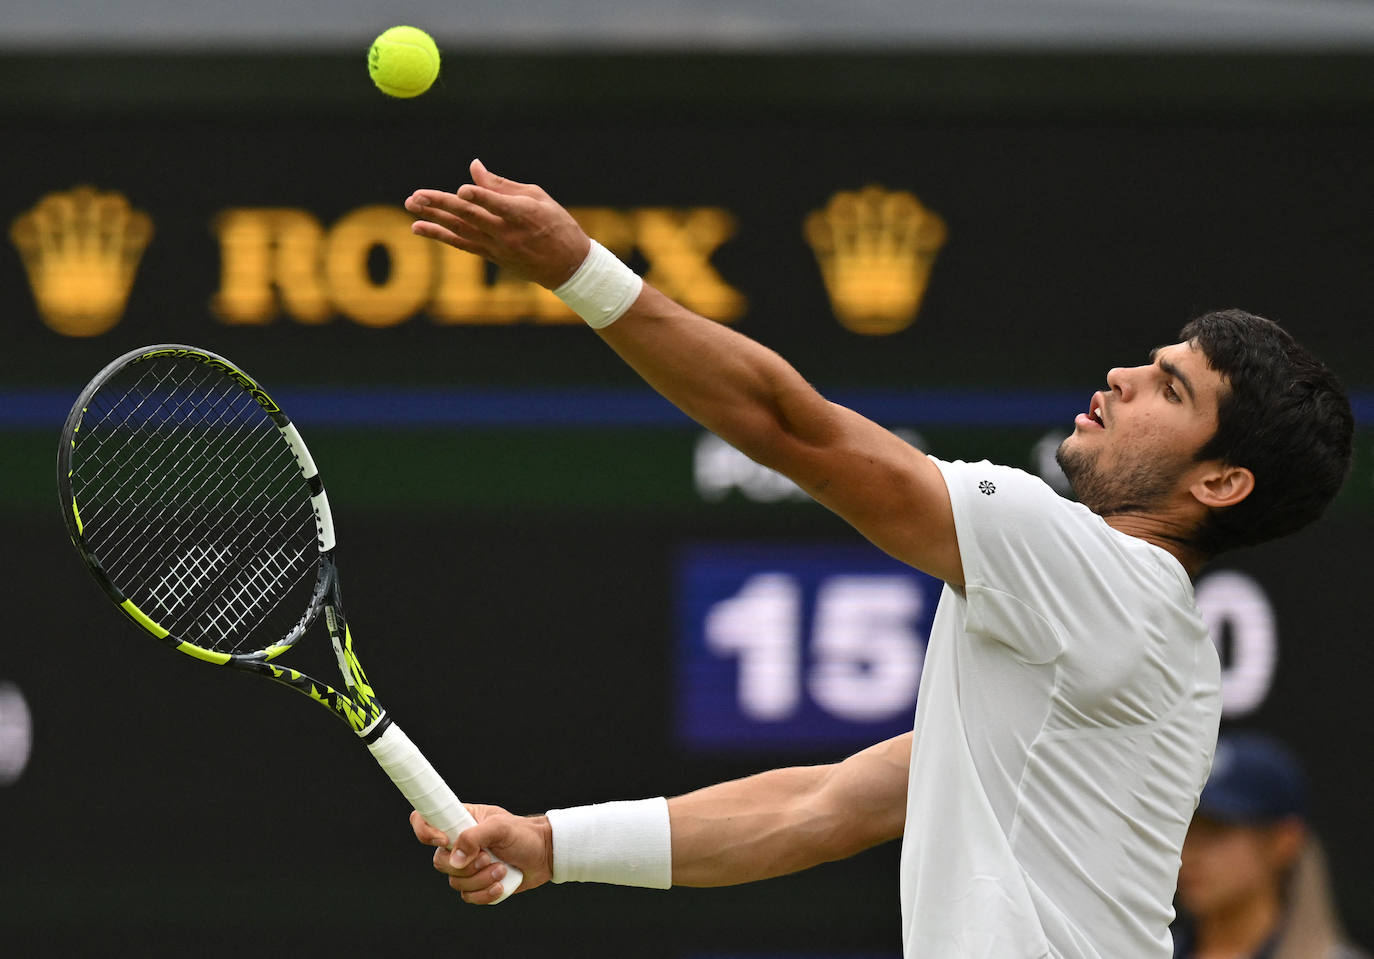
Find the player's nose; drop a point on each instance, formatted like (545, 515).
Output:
(1121, 381)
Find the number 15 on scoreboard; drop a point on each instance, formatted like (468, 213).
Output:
(797, 647)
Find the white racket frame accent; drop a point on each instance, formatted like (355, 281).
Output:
(324, 519)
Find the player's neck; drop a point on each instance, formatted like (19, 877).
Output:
(1239, 931)
(1163, 532)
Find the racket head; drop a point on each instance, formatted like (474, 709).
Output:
(182, 486)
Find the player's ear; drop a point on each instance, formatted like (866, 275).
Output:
(1222, 485)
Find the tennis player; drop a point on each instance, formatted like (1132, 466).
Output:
(1070, 701)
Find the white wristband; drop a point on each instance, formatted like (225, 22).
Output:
(622, 843)
(602, 289)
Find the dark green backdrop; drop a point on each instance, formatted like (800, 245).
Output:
(1093, 203)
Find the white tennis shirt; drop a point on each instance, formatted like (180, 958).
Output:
(1065, 725)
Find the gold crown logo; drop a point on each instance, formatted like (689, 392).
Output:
(81, 250)
(876, 248)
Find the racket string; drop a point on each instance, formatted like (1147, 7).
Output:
(267, 578)
(110, 406)
(219, 500)
(147, 437)
(191, 490)
(135, 449)
(164, 513)
(203, 568)
(186, 575)
(171, 467)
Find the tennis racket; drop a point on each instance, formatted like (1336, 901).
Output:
(198, 509)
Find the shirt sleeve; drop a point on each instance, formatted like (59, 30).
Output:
(1023, 551)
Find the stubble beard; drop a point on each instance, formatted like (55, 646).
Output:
(1137, 485)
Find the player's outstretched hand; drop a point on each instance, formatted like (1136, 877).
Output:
(525, 842)
(517, 226)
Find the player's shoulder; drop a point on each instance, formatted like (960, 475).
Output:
(1008, 507)
(996, 484)
(998, 506)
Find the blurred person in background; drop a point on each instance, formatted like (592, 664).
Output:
(1253, 882)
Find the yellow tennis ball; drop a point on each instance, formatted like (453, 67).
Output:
(403, 62)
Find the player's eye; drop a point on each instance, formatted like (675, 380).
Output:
(1171, 393)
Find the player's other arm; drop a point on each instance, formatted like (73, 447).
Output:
(767, 825)
(736, 388)
(787, 820)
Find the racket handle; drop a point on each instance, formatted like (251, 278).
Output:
(427, 792)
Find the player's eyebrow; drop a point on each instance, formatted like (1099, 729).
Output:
(1172, 370)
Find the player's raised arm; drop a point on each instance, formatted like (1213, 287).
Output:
(736, 388)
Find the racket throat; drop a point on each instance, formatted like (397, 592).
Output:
(342, 640)
(367, 717)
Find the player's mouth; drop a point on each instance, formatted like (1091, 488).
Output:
(1092, 419)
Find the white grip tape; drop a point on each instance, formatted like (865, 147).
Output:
(427, 792)
(602, 289)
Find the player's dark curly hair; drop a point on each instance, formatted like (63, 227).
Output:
(1283, 416)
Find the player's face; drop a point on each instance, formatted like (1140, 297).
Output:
(1131, 449)
(1225, 866)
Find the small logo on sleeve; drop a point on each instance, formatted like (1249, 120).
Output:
(987, 488)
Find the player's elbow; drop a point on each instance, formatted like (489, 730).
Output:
(853, 833)
(852, 822)
(799, 439)
(864, 797)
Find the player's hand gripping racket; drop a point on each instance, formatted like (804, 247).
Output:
(197, 507)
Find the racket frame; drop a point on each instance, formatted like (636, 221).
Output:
(357, 704)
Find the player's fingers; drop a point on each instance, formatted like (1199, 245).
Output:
(472, 841)
(467, 241)
(483, 888)
(425, 198)
(426, 833)
(451, 862)
(443, 230)
(499, 184)
(453, 211)
(484, 177)
(502, 208)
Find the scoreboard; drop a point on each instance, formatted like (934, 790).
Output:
(958, 247)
